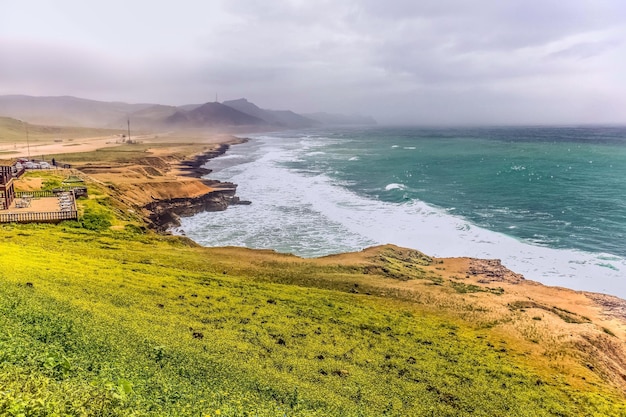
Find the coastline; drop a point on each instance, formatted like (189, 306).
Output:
(165, 183)
(490, 268)
(168, 183)
(302, 207)
(165, 213)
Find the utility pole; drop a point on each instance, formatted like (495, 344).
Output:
(128, 121)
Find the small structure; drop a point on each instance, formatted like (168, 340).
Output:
(35, 206)
(7, 190)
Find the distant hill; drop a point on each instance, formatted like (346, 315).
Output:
(80, 112)
(341, 119)
(251, 109)
(154, 113)
(152, 116)
(189, 107)
(67, 111)
(212, 114)
(290, 119)
(279, 118)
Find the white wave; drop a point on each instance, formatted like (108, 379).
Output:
(228, 156)
(395, 186)
(354, 158)
(310, 215)
(410, 147)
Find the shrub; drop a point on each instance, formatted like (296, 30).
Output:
(96, 220)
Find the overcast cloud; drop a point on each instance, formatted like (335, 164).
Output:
(401, 61)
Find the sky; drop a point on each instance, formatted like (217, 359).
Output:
(400, 61)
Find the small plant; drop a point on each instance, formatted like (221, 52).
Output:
(608, 331)
(95, 220)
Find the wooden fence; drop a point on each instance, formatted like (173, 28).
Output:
(78, 192)
(39, 217)
(34, 194)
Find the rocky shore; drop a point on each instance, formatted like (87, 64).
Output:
(166, 213)
(162, 180)
(195, 167)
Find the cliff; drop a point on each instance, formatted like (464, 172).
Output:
(164, 183)
(166, 213)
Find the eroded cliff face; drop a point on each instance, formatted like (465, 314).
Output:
(166, 213)
(166, 185)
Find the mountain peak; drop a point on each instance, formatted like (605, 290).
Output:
(280, 118)
(213, 114)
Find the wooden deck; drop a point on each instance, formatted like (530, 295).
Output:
(36, 204)
(39, 210)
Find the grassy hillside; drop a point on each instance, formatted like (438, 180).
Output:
(123, 322)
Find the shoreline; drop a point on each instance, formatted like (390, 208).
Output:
(181, 191)
(363, 218)
(500, 255)
(166, 213)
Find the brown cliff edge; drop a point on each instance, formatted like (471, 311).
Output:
(166, 212)
(161, 178)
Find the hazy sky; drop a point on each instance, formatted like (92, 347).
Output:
(410, 61)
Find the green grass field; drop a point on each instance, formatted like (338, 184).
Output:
(128, 323)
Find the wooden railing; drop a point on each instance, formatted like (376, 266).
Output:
(34, 194)
(40, 217)
(78, 191)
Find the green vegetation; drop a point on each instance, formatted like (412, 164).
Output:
(565, 315)
(125, 322)
(462, 288)
(121, 323)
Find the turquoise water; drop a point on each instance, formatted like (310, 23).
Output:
(558, 187)
(549, 202)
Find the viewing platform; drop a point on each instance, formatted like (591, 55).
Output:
(41, 207)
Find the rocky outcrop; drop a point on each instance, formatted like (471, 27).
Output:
(491, 270)
(165, 214)
(195, 167)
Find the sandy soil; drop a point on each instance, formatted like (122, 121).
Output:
(88, 144)
(53, 148)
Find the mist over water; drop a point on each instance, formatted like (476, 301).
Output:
(549, 202)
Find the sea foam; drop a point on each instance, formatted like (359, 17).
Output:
(314, 215)
(395, 186)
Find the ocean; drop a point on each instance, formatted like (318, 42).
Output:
(549, 202)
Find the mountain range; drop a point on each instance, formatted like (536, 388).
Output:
(73, 111)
